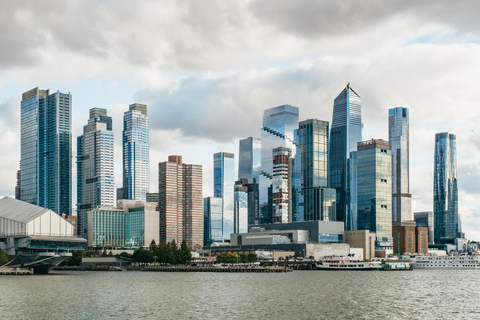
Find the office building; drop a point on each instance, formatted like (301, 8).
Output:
(425, 219)
(131, 224)
(352, 208)
(345, 133)
(180, 202)
(136, 144)
(18, 186)
(46, 150)
(252, 198)
(445, 190)
(318, 231)
(374, 189)
(95, 167)
(240, 208)
(398, 126)
(212, 220)
(249, 159)
(319, 201)
(223, 187)
(279, 125)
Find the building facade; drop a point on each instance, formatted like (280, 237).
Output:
(223, 187)
(319, 201)
(95, 167)
(46, 150)
(240, 209)
(364, 239)
(345, 133)
(132, 224)
(425, 219)
(445, 190)
(398, 135)
(136, 144)
(249, 159)
(374, 189)
(180, 202)
(408, 238)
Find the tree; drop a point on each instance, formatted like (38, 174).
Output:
(76, 258)
(252, 257)
(185, 253)
(3, 257)
(143, 255)
(104, 253)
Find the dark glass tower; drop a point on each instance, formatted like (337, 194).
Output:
(46, 149)
(345, 133)
(445, 191)
(319, 201)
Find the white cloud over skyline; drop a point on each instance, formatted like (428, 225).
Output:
(208, 69)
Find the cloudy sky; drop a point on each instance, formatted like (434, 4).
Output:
(208, 69)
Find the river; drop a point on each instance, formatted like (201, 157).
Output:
(418, 294)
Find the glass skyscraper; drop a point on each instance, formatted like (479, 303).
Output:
(223, 187)
(445, 191)
(319, 201)
(95, 172)
(46, 150)
(374, 189)
(212, 220)
(282, 185)
(345, 133)
(279, 126)
(240, 211)
(398, 123)
(249, 159)
(136, 144)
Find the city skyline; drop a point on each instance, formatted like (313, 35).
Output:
(206, 94)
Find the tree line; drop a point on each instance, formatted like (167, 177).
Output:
(233, 258)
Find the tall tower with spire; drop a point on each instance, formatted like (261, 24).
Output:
(345, 133)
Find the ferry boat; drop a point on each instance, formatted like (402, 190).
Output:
(347, 264)
(462, 261)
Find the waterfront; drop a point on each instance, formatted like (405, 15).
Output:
(421, 294)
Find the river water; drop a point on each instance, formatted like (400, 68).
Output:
(418, 294)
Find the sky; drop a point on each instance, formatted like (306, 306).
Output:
(208, 69)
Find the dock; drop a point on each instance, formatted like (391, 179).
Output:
(211, 269)
(15, 271)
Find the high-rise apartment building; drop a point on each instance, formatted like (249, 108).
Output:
(212, 220)
(253, 206)
(249, 159)
(46, 150)
(374, 189)
(180, 202)
(223, 187)
(282, 185)
(136, 178)
(445, 190)
(319, 201)
(345, 133)
(398, 126)
(95, 167)
(279, 126)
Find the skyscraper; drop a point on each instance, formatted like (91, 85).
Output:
(136, 178)
(212, 220)
(345, 133)
(398, 136)
(279, 125)
(95, 172)
(223, 187)
(180, 202)
(249, 159)
(46, 149)
(319, 200)
(374, 189)
(445, 192)
(240, 208)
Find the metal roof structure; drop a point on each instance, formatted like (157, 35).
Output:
(20, 211)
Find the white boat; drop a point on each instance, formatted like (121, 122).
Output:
(447, 262)
(347, 264)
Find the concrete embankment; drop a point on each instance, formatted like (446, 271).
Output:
(15, 271)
